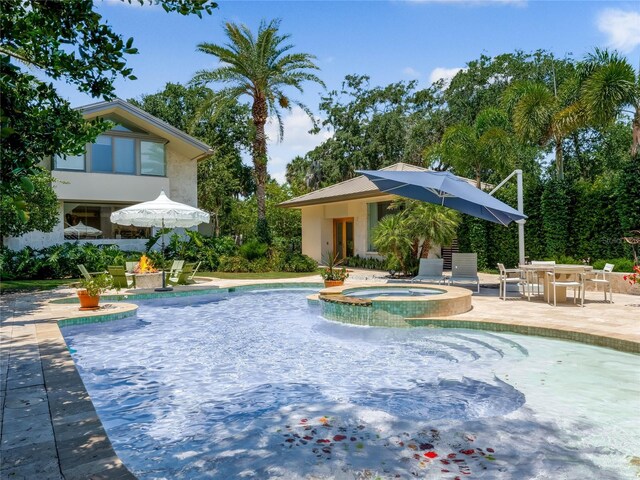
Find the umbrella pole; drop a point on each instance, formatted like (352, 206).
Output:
(164, 287)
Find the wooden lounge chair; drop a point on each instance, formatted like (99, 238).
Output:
(182, 275)
(176, 268)
(121, 279)
(464, 268)
(86, 273)
(430, 271)
(193, 274)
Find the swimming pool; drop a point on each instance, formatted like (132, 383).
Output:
(259, 385)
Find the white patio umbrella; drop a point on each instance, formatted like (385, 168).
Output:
(161, 212)
(82, 229)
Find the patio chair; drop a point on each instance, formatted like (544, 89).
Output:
(604, 281)
(575, 280)
(464, 268)
(506, 278)
(181, 276)
(86, 273)
(430, 270)
(121, 279)
(130, 266)
(534, 278)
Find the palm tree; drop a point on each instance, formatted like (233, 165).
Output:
(433, 224)
(545, 116)
(260, 67)
(390, 239)
(481, 146)
(609, 84)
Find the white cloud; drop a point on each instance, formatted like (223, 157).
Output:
(297, 141)
(445, 73)
(621, 27)
(411, 72)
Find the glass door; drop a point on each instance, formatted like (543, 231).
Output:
(343, 234)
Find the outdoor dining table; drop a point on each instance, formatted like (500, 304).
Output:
(563, 272)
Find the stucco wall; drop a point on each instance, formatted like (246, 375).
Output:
(317, 226)
(183, 175)
(108, 187)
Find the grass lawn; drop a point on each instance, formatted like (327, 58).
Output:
(255, 276)
(11, 286)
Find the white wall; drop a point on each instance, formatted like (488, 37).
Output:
(108, 187)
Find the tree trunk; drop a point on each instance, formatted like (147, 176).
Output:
(259, 152)
(426, 246)
(400, 260)
(559, 159)
(635, 145)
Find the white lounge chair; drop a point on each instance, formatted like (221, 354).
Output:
(608, 268)
(464, 268)
(430, 270)
(506, 278)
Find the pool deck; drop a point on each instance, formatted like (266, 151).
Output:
(50, 429)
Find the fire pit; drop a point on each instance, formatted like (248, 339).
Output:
(147, 276)
(148, 280)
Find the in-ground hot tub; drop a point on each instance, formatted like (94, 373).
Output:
(390, 305)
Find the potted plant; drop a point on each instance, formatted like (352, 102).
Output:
(333, 277)
(90, 290)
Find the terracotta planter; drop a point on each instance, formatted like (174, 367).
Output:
(333, 283)
(88, 302)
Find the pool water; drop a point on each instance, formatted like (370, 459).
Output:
(259, 385)
(391, 292)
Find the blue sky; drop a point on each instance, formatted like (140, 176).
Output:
(388, 40)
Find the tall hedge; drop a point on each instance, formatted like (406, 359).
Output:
(555, 217)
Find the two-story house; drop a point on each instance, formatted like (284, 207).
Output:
(131, 163)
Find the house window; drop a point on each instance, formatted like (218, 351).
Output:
(376, 211)
(152, 158)
(84, 221)
(102, 155)
(124, 155)
(123, 152)
(69, 162)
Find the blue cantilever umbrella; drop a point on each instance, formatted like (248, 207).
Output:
(444, 188)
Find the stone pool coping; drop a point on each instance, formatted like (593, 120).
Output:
(49, 426)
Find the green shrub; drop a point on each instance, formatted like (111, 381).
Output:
(260, 265)
(298, 262)
(364, 262)
(234, 264)
(254, 249)
(620, 264)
